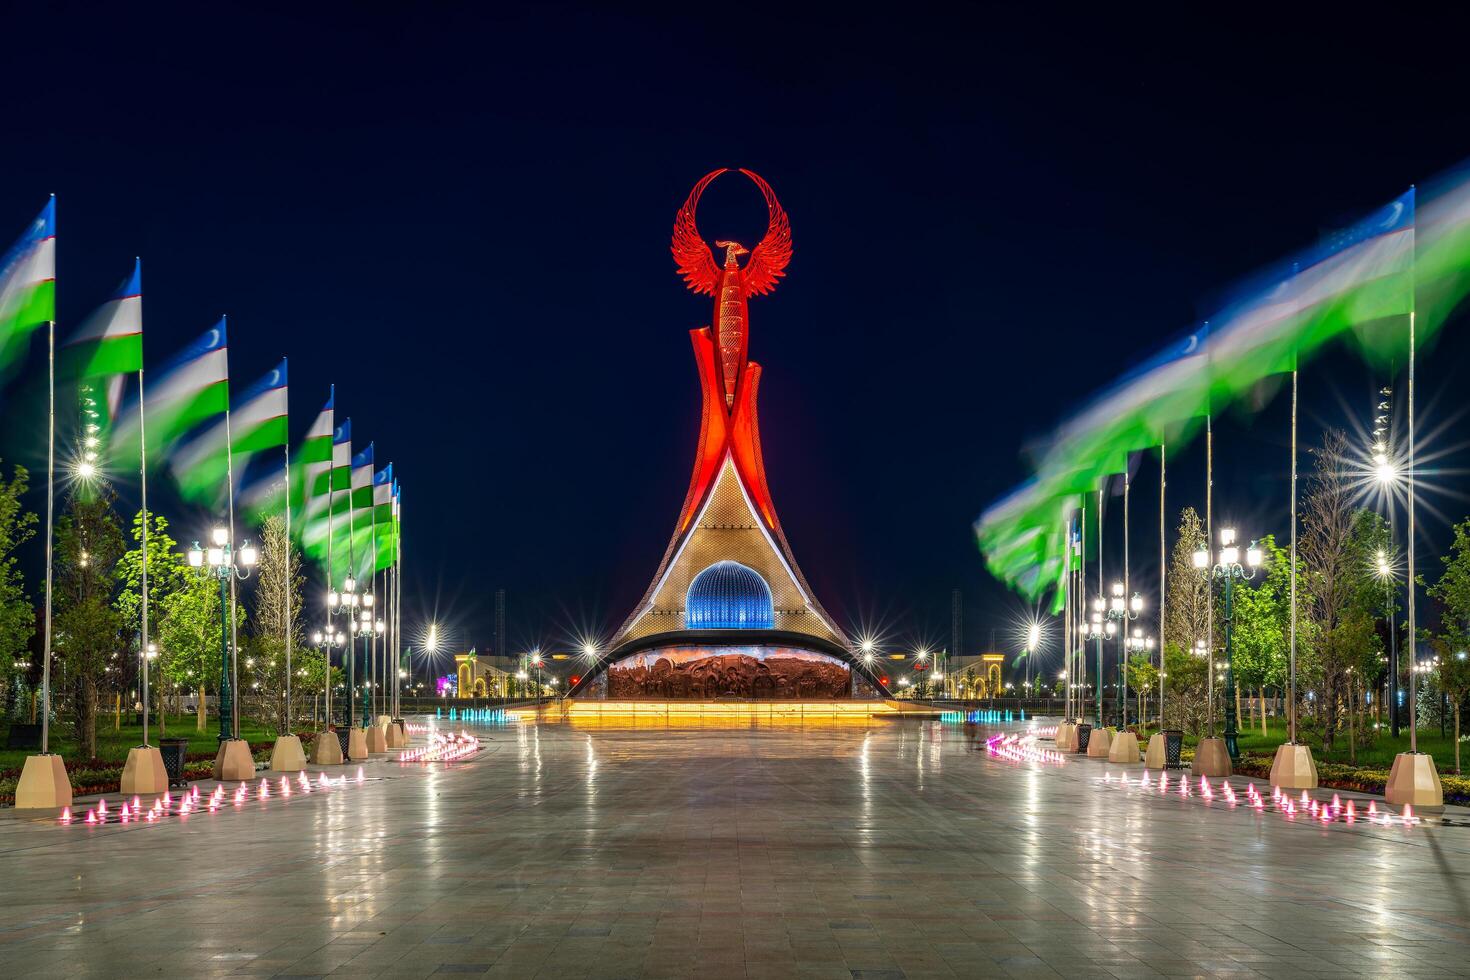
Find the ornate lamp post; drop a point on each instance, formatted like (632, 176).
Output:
(1097, 630)
(225, 564)
(1136, 642)
(324, 640)
(1228, 568)
(345, 603)
(1384, 569)
(1120, 612)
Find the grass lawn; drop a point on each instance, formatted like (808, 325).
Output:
(113, 745)
(1379, 755)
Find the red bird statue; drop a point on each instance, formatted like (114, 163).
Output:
(730, 284)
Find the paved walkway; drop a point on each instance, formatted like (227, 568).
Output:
(882, 850)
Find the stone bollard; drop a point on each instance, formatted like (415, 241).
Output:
(327, 749)
(144, 773)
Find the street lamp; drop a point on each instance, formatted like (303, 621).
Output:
(225, 564)
(1227, 567)
(1121, 612)
(1097, 629)
(324, 640)
(344, 603)
(1384, 569)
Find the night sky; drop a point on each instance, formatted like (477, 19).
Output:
(462, 219)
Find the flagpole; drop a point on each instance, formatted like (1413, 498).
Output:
(1210, 592)
(50, 536)
(234, 633)
(1100, 593)
(1067, 626)
(397, 605)
(376, 672)
(351, 567)
(1123, 623)
(331, 461)
(1080, 654)
(286, 454)
(1163, 572)
(1291, 647)
(143, 480)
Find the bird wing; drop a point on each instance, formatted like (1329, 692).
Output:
(768, 259)
(691, 254)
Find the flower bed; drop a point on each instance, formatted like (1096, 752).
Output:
(1336, 775)
(99, 776)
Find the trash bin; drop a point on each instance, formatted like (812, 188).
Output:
(173, 751)
(1173, 745)
(342, 740)
(1084, 735)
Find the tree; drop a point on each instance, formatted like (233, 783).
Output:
(1143, 676)
(1452, 593)
(1337, 552)
(1188, 614)
(1454, 680)
(17, 526)
(88, 627)
(168, 572)
(189, 637)
(1261, 623)
(1186, 680)
(1187, 621)
(277, 610)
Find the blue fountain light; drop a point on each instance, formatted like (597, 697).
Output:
(729, 596)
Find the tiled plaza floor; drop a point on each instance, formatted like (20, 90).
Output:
(882, 850)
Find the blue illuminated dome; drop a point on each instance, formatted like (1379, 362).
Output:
(729, 596)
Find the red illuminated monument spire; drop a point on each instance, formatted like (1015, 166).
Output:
(728, 514)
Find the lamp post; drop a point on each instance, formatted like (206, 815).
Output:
(324, 640)
(1136, 642)
(1227, 567)
(1385, 574)
(868, 651)
(1097, 630)
(225, 563)
(345, 603)
(1120, 612)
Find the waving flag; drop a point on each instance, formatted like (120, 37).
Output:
(192, 388)
(110, 341)
(383, 517)
(311, 466)
(329, 500)
(1357, 284)
(105, 349)
(362, 510)
(257, 422)
(28, 285)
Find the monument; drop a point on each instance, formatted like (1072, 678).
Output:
(728, 613)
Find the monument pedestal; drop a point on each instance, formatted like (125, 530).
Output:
(1100, 743)
(287, 754)
(1156, 756)
(144, 772)
(1124, 748)
(1413, 780)
(357, 745)
(327, 749)
(43, 784)
(1211, 759)
(233, 762)
(1293, 767)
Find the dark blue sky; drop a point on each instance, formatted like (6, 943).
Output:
(462, 217)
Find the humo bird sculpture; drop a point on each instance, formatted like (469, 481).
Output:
(730, 285)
